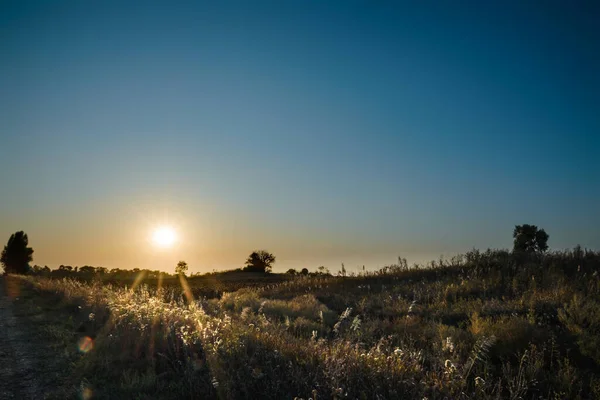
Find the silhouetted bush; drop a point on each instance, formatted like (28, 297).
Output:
(259, 261)
(16, 254)
(528, 238)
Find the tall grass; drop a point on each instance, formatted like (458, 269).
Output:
(480, 326)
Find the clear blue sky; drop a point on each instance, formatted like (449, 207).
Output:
(322, 131)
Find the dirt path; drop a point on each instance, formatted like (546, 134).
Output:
(28, 367)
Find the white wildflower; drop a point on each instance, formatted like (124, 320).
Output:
(448, 345)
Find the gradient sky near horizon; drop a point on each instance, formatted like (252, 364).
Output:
(325, 132)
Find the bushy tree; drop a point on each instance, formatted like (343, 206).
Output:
(304, 271)
(16, 254)
(259, 261)
(529, 239)
(322, 270)
(181, 268)
(87, 269)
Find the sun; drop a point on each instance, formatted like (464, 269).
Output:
(164, 236)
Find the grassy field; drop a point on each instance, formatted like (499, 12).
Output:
(486, 325)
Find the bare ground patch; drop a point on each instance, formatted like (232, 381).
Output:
(31, 367)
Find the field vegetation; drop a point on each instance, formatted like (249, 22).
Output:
(484, 325)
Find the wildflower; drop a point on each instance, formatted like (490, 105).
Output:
(449, 366)
(412, 307)
(356, 324)
(448, 345)
(92, 316)
(398, 352)
(343, 321)
(262, 307)
(479, 381)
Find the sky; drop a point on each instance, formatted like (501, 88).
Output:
(324, 132)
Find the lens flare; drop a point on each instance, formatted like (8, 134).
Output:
(187, 291)
(86, 393)
(138, 279)
(85, 344)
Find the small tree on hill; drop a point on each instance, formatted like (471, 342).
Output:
(181, 268)
(16, 255)
(259, 261)
(529, 239)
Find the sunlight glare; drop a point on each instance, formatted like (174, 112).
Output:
(164, 237)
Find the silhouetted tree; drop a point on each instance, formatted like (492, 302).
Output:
(16, 255)
(342, 272)
(259, 261)
(322, 270)
(87, 269)
(304, 271)
(291, 271)
(181, 268)
(529, 239)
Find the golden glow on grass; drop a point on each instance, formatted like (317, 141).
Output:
(138, 279)
(164, 237)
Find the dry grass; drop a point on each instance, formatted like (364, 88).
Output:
(454, 330)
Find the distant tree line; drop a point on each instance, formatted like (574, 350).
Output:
(88, 271)
(528, 240)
